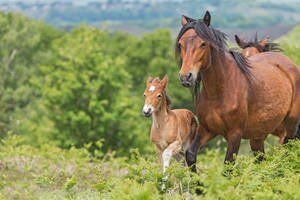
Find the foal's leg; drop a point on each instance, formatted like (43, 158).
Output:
(179, 156)
(159, 155)
(257, 145)
(170, 151)
(233, 145)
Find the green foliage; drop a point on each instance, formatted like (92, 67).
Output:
(53, 173)
(291, 45)
(70, 183)
(86, 93)
(24, 45)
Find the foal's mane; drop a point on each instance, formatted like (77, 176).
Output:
(218, 41)
(270, 46)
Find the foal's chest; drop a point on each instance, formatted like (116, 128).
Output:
(162, 138)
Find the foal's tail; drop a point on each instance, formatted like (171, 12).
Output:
(194, 126)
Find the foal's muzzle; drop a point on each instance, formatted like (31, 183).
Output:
(147, 110)
(186, 80)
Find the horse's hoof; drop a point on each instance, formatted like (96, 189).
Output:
(198, 190)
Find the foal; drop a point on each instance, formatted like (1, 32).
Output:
(251, 48)
(172, 130)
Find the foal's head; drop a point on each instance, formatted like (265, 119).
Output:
(155, 95)
(254, 47)
(196, 43)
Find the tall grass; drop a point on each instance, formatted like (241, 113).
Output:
(27, 172)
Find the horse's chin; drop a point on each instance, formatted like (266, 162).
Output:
(187, 84)
(148, 115)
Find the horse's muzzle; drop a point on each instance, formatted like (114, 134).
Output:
(186, 80)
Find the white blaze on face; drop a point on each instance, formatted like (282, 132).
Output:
(151, 88)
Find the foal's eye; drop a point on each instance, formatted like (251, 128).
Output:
(203, 45)
(159, 96)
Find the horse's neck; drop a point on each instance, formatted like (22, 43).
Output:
(213, 78)
(221, 78)
(160, 117)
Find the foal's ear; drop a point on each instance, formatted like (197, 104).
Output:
(164, 81)
(206, 18)
(240, 42)
(264, 42)
(185, 20)
(150, 79)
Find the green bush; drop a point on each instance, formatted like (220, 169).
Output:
(27, 172)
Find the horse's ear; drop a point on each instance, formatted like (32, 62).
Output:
(239, 41)
(206, 18)
(164, 81)
(264, 42)
(184, 20)
(150, 79)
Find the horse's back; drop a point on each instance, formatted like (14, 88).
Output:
(275, 82)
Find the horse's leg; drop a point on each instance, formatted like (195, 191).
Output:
(202, 137)
(293, 118)
(257, 145)
(281, 133)
(233, 145)
(179, 156)
(170, 151)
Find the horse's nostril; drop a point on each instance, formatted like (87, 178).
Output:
(180, 77)
(189, 76)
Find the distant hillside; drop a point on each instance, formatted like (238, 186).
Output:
(142, 16)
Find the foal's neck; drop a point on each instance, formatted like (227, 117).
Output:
(160, 117)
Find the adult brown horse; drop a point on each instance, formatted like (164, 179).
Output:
(251, 48)
(238, 100)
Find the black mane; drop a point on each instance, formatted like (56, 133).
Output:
(168, 99)
(270, 46)
(217, 41)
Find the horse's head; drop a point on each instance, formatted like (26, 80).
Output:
(251, 48)
(194, 51)
(154, 95)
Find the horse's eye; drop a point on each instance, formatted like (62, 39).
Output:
(203, 45)
(159, 96)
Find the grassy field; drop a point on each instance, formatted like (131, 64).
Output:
(53, 173)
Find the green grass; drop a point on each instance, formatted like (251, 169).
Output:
(52, 173)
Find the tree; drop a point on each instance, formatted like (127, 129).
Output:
(24, 44)
(86, 93)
